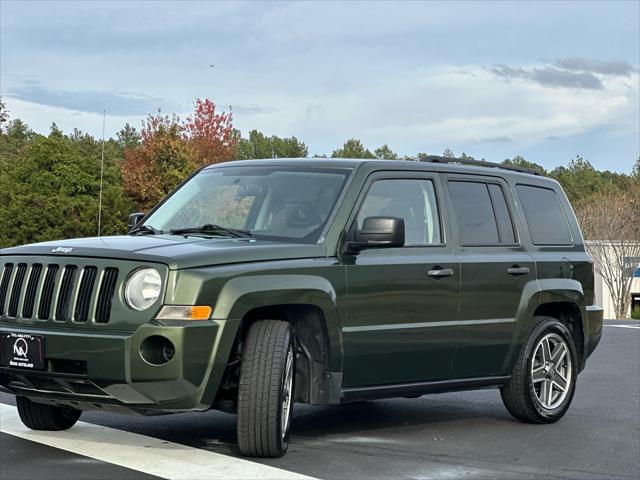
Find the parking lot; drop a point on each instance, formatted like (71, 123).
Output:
(457, 435)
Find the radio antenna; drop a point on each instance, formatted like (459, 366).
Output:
(104, 115)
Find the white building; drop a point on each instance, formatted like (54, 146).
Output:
(603, 296)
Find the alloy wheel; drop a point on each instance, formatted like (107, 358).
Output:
(551, 371)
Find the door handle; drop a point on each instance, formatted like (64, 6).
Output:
(516, 271)
(438, 272)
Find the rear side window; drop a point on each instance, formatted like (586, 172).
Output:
(474, 213)
(545, 217)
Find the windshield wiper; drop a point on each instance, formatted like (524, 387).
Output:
(145, 229)
(212, 229)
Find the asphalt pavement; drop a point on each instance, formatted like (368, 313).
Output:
(455, 435)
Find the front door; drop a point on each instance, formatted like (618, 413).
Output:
(402, 302)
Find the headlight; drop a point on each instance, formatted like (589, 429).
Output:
(143, 288)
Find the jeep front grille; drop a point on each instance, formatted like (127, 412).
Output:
(107, 288)
(47, 292)
(62, 294)
(4, 284)
(17, 287)
(84, 294)
(30, 296)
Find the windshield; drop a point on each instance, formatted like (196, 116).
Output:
(271, 202)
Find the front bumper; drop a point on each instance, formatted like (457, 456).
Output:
(595, 315)
(105, 370)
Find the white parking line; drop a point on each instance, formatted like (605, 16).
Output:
(624, 326)
(144, 454)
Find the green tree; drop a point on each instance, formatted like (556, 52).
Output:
(289, 147)
(581, 181)
(13, 140)
(4, 114)
(385, 153)
(352, 148)
(128, 137)
(448, 153)
(259, 145)
(52, 190)
(636, 169)
(519, 161)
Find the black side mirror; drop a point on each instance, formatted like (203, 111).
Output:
(134, 219)
(378, 232)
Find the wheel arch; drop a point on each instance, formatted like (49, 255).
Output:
(309, 304)
(562, 299)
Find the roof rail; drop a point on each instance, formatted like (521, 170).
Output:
(481, 163)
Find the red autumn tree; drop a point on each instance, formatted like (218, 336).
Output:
(170, 150)
(157, 165)
(210, 134)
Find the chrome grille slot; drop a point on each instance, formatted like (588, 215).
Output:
(4, 284)
(44, 309)
(65, 293)
(16, 290)
(83, 302)
(105, 295)
(30, 295)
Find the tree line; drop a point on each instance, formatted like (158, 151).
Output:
(49, 184)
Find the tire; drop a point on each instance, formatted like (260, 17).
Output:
(266, 388)
(37, 416)
(535, 392)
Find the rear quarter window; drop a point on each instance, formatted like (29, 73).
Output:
(546, 219)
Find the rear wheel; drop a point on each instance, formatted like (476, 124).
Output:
(544, 377)
(37, 416)
(266, 388)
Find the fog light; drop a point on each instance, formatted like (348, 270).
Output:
(157, 350)
(168, 351)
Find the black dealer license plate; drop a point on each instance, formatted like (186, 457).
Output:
(22, 350)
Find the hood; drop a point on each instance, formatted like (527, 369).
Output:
(172, 250)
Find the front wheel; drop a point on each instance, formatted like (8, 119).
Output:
(266, 388)
(543, 379)
(38, 416)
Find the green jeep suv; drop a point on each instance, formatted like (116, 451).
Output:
(258, 284)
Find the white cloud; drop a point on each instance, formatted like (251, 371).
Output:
(447, 106)
(423, 110)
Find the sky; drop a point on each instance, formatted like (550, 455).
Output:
(545, 80)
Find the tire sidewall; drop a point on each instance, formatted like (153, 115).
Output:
(550, 325)
(284, 438)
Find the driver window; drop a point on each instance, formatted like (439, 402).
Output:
(413, 200)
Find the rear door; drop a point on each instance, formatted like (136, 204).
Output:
(401, 321)
(495, 267)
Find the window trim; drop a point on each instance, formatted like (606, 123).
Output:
(562, 209)
(486, 182)
(386, 175)
(506, 204)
